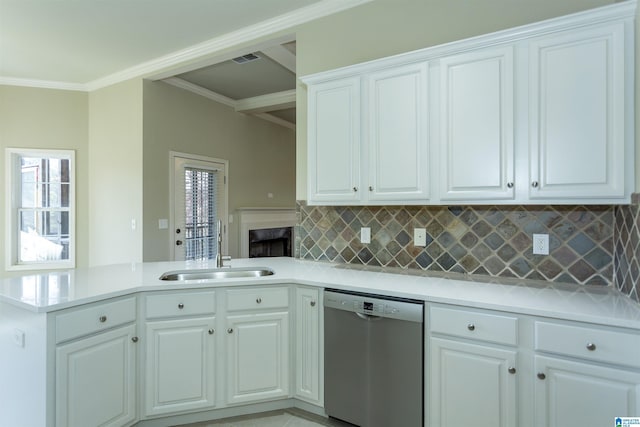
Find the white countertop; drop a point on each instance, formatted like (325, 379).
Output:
(55, 290)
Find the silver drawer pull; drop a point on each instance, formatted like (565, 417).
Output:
(313, 303)
(591, 346)
(103, 319)
(181, 306)
(230, 330)
(134, 339)
(541, 375)
(211, 331)
(258, 300)
(512, 370)
(471, 327)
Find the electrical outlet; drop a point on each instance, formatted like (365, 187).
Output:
(18, 338)
(420, 237)
(541, 244)
(365, 235)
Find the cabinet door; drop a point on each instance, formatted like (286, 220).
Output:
(569, 393)
(398, 134)
(180, 365)
(308, 345)
(96, 380)
(577, 114)
(471, 385)
(257, 357)
(334, 142)
(476, 125)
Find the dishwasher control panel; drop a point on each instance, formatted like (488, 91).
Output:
(375, 305)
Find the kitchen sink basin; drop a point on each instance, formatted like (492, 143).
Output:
(216, 273)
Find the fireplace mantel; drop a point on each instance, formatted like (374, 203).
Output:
(260, 218)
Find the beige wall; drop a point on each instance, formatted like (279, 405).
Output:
(387, 27)
(261, 157)
(115, 175)
(52, 119)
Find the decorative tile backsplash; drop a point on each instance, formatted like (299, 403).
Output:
(627, 248)
(489, 240)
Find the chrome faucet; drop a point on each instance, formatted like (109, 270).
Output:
(220, 259)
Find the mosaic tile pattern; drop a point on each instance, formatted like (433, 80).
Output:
(488, 240)
(627, 248)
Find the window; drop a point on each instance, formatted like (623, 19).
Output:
(40, 223)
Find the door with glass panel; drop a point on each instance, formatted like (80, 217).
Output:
(199, 202)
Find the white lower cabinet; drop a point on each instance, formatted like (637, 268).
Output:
(472, 375)
(309, 345)
(180, 352)
(96, 372)
(257, 344)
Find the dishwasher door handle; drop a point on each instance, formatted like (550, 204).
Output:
(367, 316)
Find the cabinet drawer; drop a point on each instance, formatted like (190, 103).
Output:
(78, 322)
(589, 343)
(181, 304)
(490, 327)
(257, 298)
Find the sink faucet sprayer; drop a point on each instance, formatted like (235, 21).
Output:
(220, 259)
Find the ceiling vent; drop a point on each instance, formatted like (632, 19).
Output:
(245, 58)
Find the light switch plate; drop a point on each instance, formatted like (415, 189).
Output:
(365, 235)
(420, 237)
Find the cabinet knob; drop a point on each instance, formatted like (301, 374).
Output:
(178, 242)
(534, 184)
(211, 331)
(230, 330)
(541, 375)
(591, 346)
(313, 303)
(370, 188)
(509, 184)
(355, 189)
(512, 370)
(181, 306)
(258, 300)
(103, 319)
(134, 339)
(471, 327)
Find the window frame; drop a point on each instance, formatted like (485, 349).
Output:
(13, 192)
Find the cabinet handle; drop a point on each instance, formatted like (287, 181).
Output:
(370, 188)
(512, 370)
(103, 319)
(591, 346)
(211, 331)
(471, 327)
(230, 330)
(313, 303)
(541, 375)
(134, 339)
(534, 184)
(258, 300)
(509, 184)
(181, 306)
(355, 189)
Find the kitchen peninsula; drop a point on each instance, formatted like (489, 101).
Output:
(108, 323)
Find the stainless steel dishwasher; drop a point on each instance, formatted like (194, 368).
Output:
(373, 355)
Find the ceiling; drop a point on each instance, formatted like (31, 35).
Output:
(89, 44)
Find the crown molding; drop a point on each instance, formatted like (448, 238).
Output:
(227, 41)
(277, 120)
(43, 84)
(199, 90)
(268, 102)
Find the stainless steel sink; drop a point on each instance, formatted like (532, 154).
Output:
(216, 273)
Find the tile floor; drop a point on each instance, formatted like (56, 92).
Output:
(283, 418)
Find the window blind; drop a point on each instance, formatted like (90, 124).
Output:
(201, 213)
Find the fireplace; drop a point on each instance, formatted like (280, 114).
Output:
(259, 219)
(270, 242)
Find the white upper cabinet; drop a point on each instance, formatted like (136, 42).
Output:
(537, 114)
(334, 141)
(476, 125)
(398, 150)
(577, 114)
